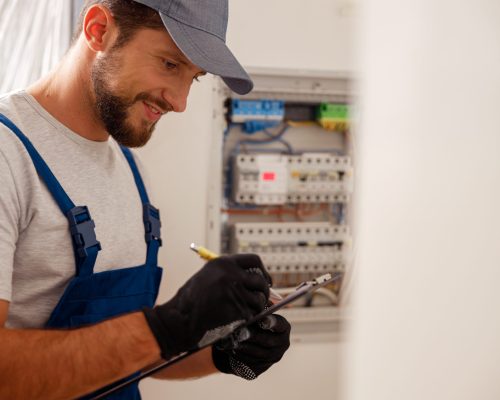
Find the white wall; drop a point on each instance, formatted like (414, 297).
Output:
(316, 34)
(270, 33)
(428, 320)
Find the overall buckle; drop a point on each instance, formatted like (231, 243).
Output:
(82, 229)
(152, 223)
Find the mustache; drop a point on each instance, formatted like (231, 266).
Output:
(160, 103)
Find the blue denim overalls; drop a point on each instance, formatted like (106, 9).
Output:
(93, 297)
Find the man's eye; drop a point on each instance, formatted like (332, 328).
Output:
(170, 64)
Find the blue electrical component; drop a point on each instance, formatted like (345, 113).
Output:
(253, 126)
(257, 110)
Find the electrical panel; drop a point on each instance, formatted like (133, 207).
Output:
(283, 184)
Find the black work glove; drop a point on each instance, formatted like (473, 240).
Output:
(213, 302)
(251, 351)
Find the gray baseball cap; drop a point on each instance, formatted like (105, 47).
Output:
(198, 28)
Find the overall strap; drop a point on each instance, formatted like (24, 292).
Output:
(150, 214)
(81, 225)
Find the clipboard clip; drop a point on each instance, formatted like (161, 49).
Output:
(319, 281)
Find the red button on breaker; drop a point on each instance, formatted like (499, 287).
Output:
(268, 176)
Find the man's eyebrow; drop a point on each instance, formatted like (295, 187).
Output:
(177, 54)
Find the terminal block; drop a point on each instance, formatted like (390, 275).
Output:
(333, 117)
(294, 251)
(256, 110)
(270, 179)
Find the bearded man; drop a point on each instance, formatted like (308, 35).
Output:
(79, 236)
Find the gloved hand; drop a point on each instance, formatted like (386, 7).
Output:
(251, 351)
(214, 301)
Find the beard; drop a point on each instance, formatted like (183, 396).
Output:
(112, 108)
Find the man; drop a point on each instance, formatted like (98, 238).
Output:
(76, 223)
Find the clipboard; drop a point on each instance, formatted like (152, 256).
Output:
(302, 290)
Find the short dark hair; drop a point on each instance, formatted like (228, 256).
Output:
(129, 16)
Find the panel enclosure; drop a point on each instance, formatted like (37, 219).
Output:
(282, 183)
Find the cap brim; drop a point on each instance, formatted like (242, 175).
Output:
(210, 53)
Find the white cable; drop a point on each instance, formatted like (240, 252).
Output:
(321, 291)
(328, 294)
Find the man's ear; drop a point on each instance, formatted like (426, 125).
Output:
(99, 28)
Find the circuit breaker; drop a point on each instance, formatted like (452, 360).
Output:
(294, 251)
(280, 179)
(260, 179)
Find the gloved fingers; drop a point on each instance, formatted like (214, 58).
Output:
(256, 300)
(250, 353)
(257, 337)
(225, 270)
(275, 323)
(251, 357)
(250, 302)
(232, 342)
(242, 334)
(252, 263)
(255, 283)
(267, 339)
(267, 323)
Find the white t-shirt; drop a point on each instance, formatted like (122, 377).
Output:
(36, 254)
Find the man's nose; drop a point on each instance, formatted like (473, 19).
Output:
(177, 96)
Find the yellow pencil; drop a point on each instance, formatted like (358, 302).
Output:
(210, 255)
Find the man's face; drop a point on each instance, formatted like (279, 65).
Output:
(136, 84)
